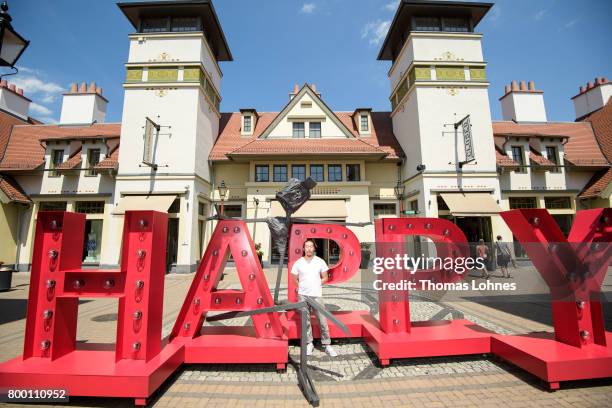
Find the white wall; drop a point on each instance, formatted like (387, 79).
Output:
(592, 100)
(523, 107)
(14, 103)
(177, 48)
(83, 108)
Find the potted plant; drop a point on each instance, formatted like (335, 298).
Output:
(259, 253)
(6, 277)
(365, 255)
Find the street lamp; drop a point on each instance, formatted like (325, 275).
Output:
(399, 194)
(222, 192)
(12, 45)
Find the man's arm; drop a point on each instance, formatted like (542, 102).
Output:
(324, 274)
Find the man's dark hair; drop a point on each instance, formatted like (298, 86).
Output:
(309, 240)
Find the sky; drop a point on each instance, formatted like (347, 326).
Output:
(560, 44)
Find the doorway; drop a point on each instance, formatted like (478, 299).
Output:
(172, 250)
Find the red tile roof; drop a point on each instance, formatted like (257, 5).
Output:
(381, 141)
(7, 121)
(111, 162)
(598, 183)
(503, 160)
(601, 120)
(13, 190)
(538, 159)
(73, 161)
(581, 148)
(26, 151)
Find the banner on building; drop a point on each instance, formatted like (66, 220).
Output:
(151, 131)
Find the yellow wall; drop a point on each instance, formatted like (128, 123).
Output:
(8, 232)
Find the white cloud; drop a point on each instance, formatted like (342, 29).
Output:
(392, 6)
(40, 90)
(48, 120)
(308, 8)
(571, 23)
(40, 110)
(34, 85)
(538, 16)
(375, 31)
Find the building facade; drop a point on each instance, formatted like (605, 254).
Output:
(174, 147)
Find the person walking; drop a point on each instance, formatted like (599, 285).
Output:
(482, 251)
(503, 255)
(309, 273)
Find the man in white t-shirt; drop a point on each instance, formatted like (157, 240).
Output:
(309, 273)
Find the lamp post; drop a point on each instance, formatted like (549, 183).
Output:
(222, 192)
(399, 193)
(12, 45)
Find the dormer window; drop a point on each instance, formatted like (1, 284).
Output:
(298, 129)
(361, 119)
(57, 158)
(363, 123)
(249, 121)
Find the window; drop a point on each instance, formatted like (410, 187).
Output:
(93, 158)
(154, 25)
(164, 24)
(523, 202)
(316, 172)
(52, 206)
(314, 129)
(364, 125)
(334, 172)
(298, 129)
(519, 157)
(57, 157)
(182, 24)
(414, 206)
(557, 203)
(298, 171)
(175, 207)
(262, 173)
(353, 172)
(384, 209)
(551, 154)
(280, 173)
(232, 210)
(457, 25)
(247, 124)
(202, 209)
(90, 207)
(427, 24)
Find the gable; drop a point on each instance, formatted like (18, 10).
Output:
(306, 107)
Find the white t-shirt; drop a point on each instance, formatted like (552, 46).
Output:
(309, 275)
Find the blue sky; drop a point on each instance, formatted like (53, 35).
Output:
(333, 43)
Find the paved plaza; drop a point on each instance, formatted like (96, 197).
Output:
(352, 379)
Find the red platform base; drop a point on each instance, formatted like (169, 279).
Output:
(92, 371)
(353, 320)
(427, 339)
(552, 361)
(233, 345)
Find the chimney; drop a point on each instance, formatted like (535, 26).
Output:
(592, 97)
(296, 89)
(83, 104)
(13, 101)
(523, 103)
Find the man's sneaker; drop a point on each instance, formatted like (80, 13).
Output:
(330, 351)
(309, 349)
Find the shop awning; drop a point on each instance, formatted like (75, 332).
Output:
(470, 204)
(326, 209)
(144, 202)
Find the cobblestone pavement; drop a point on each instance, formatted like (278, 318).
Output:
(352, 379)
